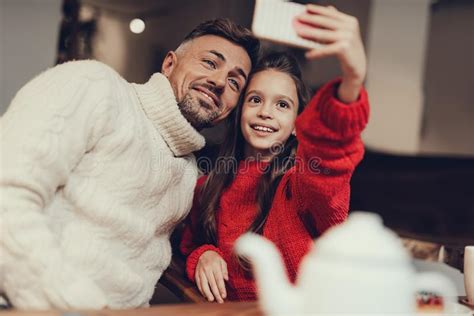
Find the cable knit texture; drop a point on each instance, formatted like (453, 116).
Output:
(329, 149)
(96, 172)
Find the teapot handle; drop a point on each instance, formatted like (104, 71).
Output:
(439, 284)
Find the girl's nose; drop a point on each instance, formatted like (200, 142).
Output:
(265, 111)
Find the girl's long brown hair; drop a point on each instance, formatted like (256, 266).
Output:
(232, 152)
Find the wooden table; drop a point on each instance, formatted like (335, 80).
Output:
(208, 309)
(190, 309)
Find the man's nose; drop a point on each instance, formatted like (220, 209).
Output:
(217, 79)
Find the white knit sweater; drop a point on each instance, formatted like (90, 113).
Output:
(95, 174)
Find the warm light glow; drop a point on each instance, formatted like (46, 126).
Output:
(137, 26)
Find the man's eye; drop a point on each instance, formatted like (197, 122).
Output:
(210, 63)
(235, 84)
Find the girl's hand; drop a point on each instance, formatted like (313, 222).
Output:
(340, 35)
(211, 271)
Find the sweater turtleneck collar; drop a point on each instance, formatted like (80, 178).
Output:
(252, 167)
(159, 103)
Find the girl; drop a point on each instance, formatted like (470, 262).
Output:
(286, 192)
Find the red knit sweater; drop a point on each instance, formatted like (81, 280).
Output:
(329, 148)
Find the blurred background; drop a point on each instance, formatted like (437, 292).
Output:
(418, 172)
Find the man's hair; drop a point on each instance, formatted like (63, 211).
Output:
(227, 29)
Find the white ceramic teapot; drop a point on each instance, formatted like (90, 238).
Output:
(358, 267)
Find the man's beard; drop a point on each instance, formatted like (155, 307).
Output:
(197, 113)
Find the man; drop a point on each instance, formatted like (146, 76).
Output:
(96, 171)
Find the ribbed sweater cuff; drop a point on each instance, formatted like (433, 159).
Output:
(345, 119)
(193, 258)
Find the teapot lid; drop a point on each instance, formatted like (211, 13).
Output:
(361, 236)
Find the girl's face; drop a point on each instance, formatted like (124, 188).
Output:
(269, 112)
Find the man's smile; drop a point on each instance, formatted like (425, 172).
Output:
(208, 95)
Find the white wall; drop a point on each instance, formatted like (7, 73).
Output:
(448, 118)
(396, 49)
(28, 40)
(420, 77)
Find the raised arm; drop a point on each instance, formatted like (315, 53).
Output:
(340, 35)
(329, 129)
(329, 149)
(49, 126)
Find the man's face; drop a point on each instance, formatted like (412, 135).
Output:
(207, 74)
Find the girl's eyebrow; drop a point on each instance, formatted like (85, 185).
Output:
(253, 91)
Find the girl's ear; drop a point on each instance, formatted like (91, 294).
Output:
(293, 132)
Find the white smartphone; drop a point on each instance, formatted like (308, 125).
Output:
(273, 21)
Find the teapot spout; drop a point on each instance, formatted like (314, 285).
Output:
(277, 296)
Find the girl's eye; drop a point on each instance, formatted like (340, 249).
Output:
(283, 105)
(210, 63)
(235, 84)
(254, 99)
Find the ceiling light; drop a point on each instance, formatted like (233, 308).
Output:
(137, 26)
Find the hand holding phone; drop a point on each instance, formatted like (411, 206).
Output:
(323, 30)
(273, 20)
